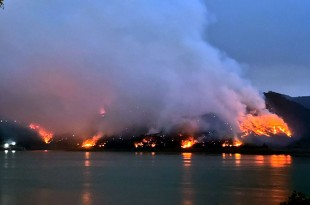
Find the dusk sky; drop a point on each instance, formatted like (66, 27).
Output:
(154, 102)
(270, 37)
(148, 60)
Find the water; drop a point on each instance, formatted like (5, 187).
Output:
(91, 178)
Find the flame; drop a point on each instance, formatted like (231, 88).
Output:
(138, 144)
(226, 144)
(235, 143)
(147, 142)
(266, 124)
(188, 143)
(45, 135)
(88, 143)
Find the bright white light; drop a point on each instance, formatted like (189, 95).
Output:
(13, 143)
(6, 151)
(6, 145)
(13, 151)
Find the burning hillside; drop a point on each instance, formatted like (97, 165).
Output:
(188, 143)
(45, 135)
(201, 132)
(264, 125)
(91, 142)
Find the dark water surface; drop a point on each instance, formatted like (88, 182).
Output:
(91, 178)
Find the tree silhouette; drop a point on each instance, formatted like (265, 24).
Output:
(1, 3)
(297, 198)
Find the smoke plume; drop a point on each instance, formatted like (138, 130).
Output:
(145, 62)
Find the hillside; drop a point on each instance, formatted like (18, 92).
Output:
(294, 113)
(304, 100)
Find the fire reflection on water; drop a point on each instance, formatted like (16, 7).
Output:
(187, 157)
(260, 160)
(187, 189)
(280, 160)
(86, 197)
(86, 161)
(237, 159)
(273, 171)
(276, 161)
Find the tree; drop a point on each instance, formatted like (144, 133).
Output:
(297, 198)
(1, 3)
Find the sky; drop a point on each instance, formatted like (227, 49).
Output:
(271, 39)
(148, 62)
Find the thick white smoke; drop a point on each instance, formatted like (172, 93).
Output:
(147, 62)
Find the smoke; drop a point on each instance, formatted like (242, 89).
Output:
(145, 62)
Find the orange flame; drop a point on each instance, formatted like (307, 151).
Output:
(264, 125)
(147, 141)
(237, 143)
(88, 143)
(138, 144)
(45, 135)
(188, 143)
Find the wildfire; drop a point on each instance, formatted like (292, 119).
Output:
(138, 144)
(267, 125)
(45, 135)
(230, 143)
(188, 143)
(237, 143)
(147, 142)
(88, 143)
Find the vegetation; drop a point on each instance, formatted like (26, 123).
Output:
(1, 3)
(297, 198)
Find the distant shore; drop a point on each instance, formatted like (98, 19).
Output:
(230, 150)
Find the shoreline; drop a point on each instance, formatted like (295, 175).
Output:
(244, 151)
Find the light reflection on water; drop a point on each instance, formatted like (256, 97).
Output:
(91, 178)
(280, 160)
(86, 193)
(9, 161)
(277, 177)
(237, 159)
(187, 188)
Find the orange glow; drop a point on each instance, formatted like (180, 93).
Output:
(138, 144)
(188, 143)
(280, 160)
(88, 143)
(264, 125)
(45, 135)
(147, 142)
(259, 160)
(187, 159)
(226, 144)
(238, 159)
(235, 143)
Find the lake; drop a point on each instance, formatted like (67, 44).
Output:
(91, 178)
